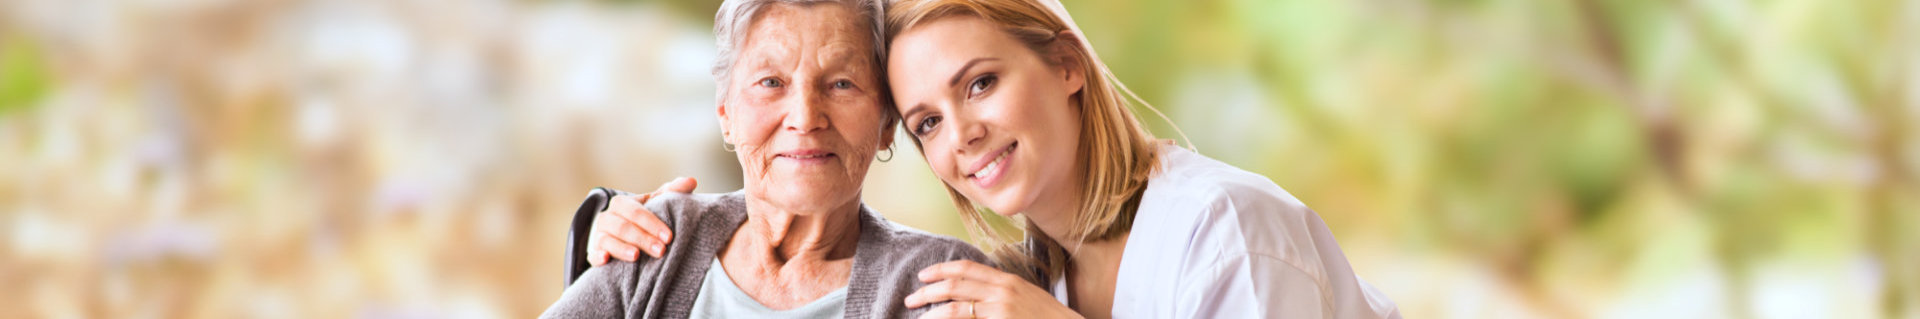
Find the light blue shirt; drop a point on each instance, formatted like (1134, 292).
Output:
(720, 298)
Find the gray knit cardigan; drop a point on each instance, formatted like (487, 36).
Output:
(884, 264)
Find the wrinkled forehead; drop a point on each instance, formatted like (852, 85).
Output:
(827, 32)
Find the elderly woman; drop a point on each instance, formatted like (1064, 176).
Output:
(801, 106)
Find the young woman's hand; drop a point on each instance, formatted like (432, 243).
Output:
(981, 291)
(627, 228)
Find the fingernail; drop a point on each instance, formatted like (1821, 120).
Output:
(657, 249)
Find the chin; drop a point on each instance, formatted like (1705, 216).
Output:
(811, 196)
(1001, 204)
(1009, 210)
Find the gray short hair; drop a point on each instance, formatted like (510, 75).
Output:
(731, 23)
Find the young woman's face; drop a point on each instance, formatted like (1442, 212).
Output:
(993, 117)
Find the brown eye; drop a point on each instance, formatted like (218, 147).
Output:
(981, 84)
(926, 125)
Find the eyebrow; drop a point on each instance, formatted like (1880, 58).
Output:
(963, 70)
(922, 107)
(916, 110)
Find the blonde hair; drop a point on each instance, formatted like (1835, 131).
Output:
(1117, 152)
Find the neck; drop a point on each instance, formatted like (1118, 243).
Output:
(1055, 213)
(1058, 219)
(1092, 275)
(783, 237)
(784, 259)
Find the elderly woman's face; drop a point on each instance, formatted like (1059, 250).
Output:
(803, 106)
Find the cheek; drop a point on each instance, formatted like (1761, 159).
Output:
(940, 159)
(1050, 114)
(753, 164)
(1053, 121)
(859, 124)
(751, 125)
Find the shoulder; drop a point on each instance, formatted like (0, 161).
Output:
(1195, 182)
(1218, 212)
(615, 272)
(601, 292)
(684, 210)
(1208, 219)
(889, 258)
(907, 246)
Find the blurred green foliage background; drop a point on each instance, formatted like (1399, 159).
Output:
(1476, 158)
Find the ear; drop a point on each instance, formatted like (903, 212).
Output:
(886, 137)
(721, 110)
(1064, 52)
(887, 123)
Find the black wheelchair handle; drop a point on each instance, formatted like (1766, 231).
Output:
(576, 256)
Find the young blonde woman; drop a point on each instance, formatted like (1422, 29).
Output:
(1016, 114)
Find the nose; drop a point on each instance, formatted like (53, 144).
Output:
(806, 113)
(968, 132)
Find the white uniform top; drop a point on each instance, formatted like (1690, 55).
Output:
(1212, 241)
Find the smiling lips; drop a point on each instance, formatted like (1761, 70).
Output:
(988, 172)
(807, 156)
